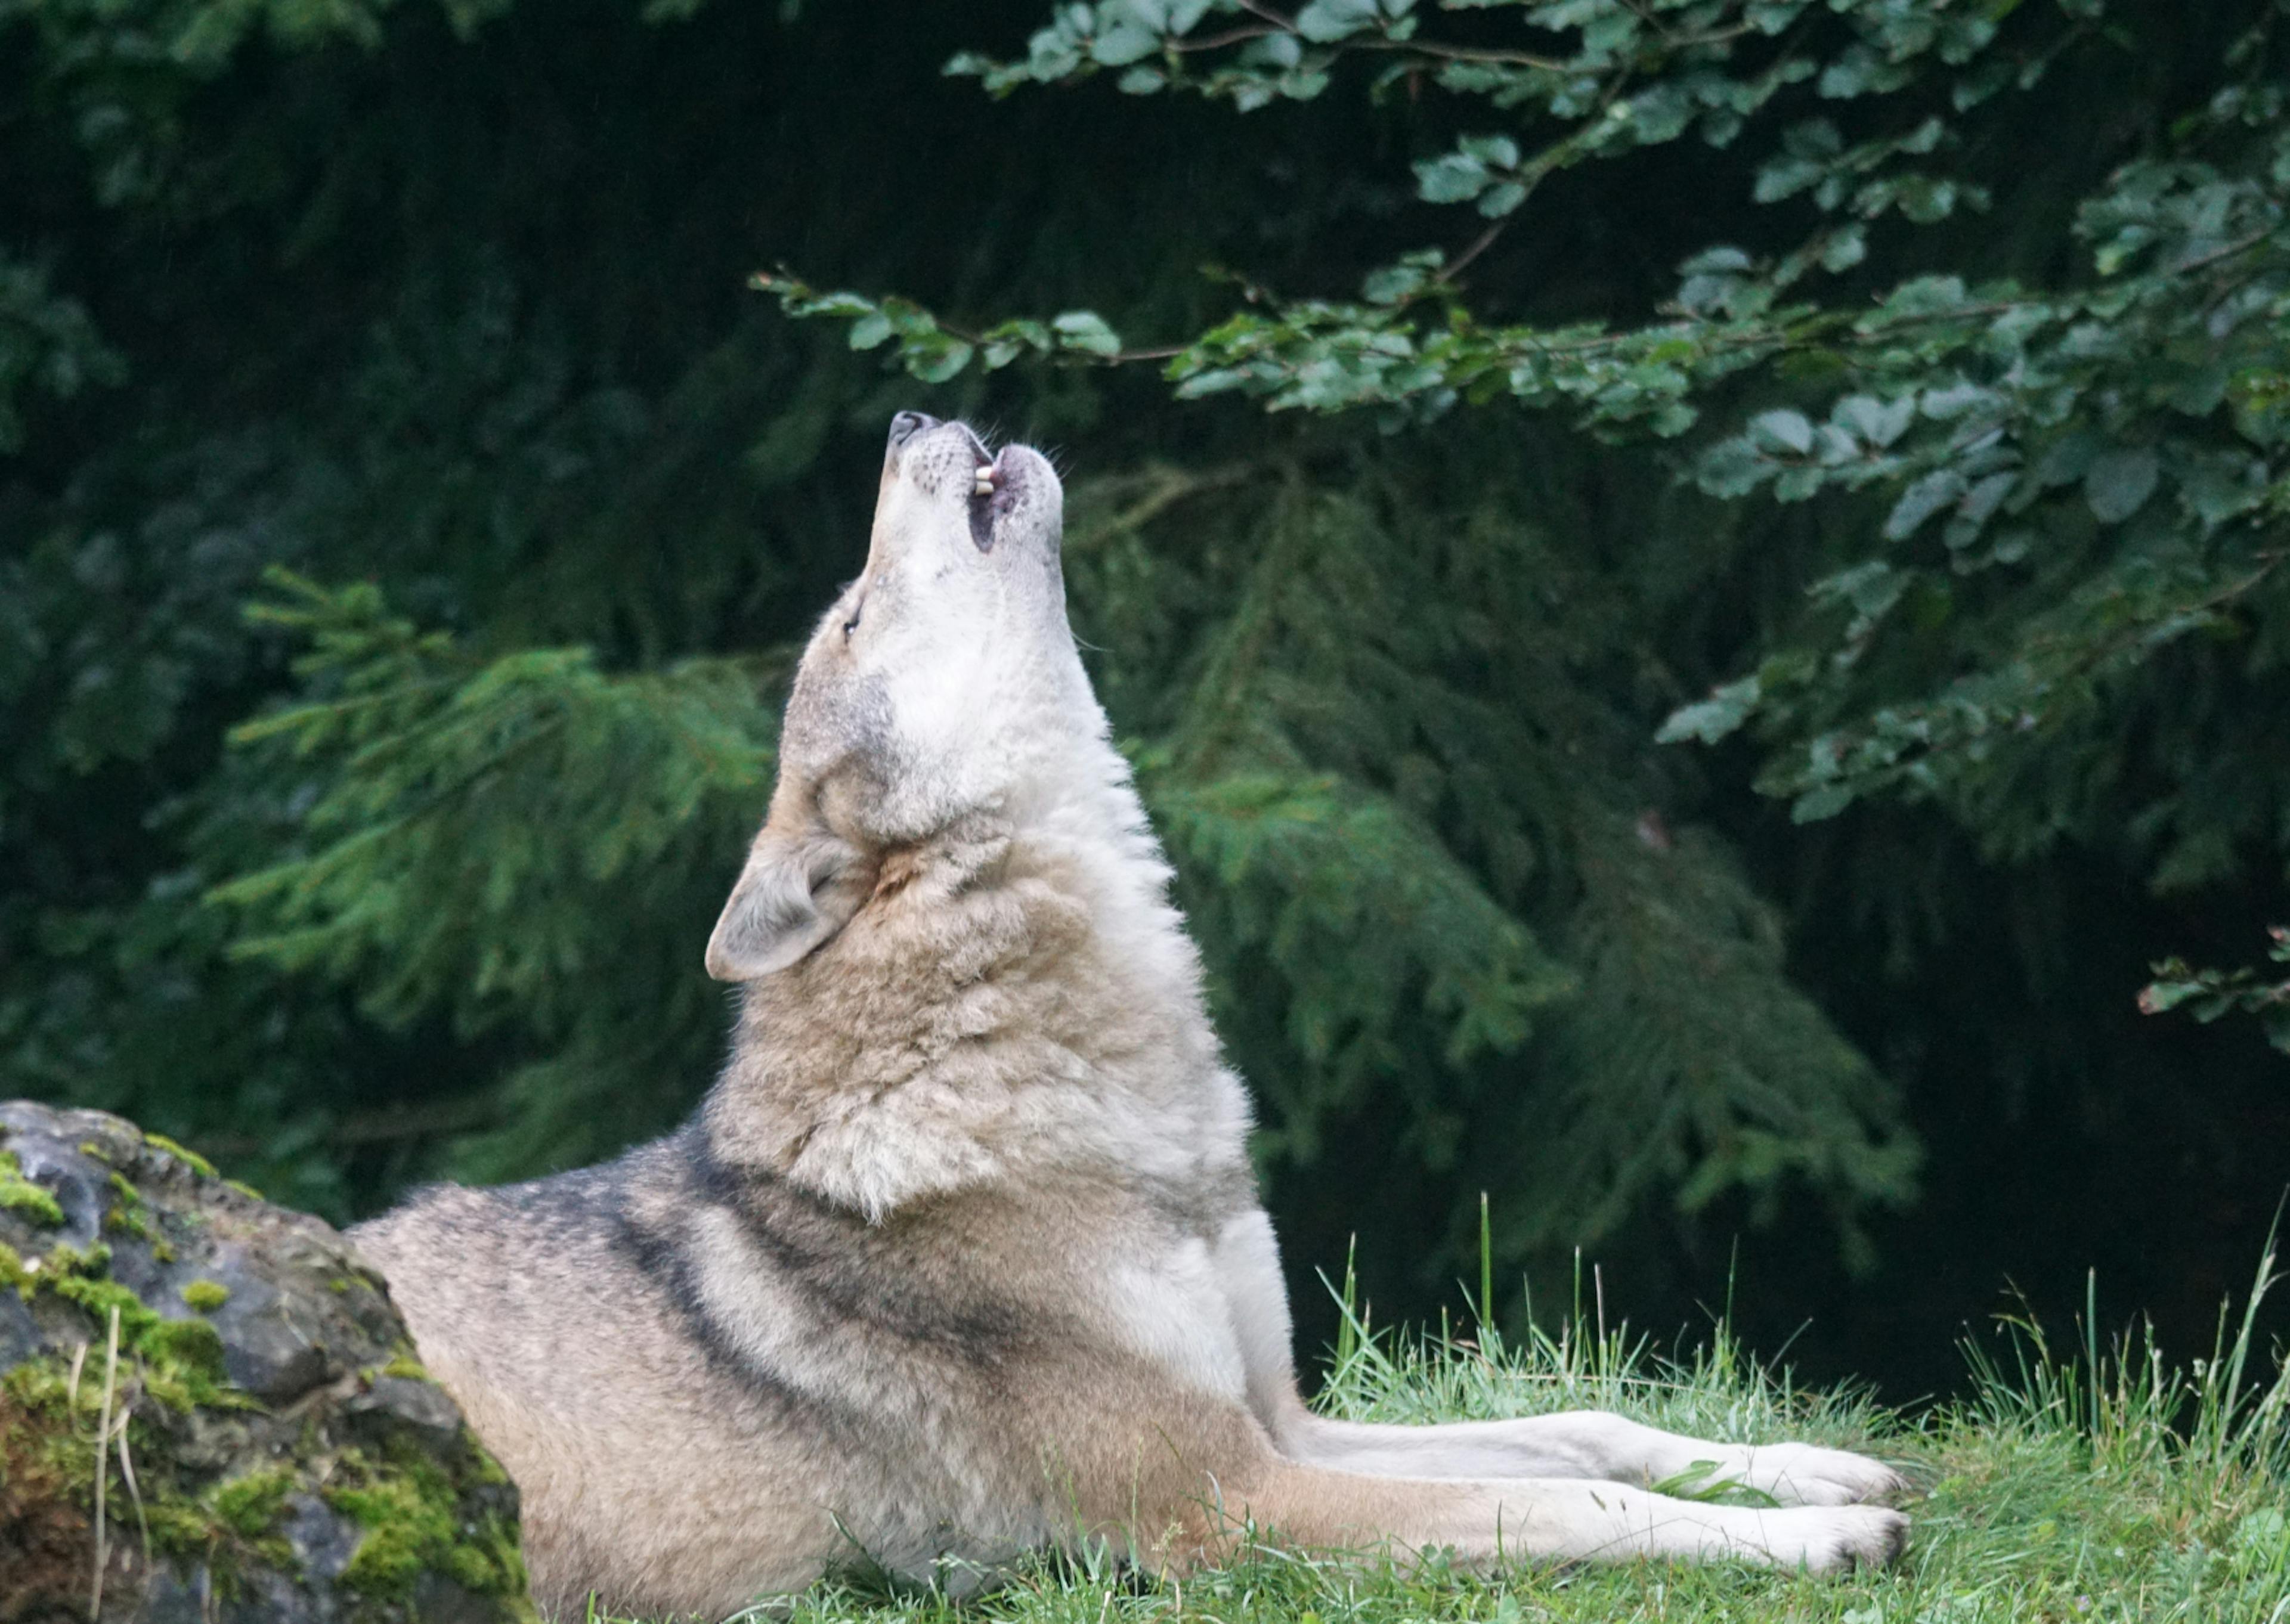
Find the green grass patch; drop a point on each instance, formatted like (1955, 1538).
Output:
(2101, 1483)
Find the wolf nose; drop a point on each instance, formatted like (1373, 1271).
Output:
(906, 425)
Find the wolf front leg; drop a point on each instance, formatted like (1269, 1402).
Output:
(1588, 1444)
(1489, 1522)
(1582, 1444)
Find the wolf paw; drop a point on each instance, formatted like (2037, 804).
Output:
(1806, 1475)
(1842, 1539)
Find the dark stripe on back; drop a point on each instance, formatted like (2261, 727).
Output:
(598, 1201)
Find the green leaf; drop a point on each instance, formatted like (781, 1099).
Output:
(1937, 490)
(1497, 201)
(1453, 178)
(1818, 805)
(1392, 284)
(940, 363)
(1122, 43)
(2119, 482)
(1323, 21)
(1714, 717)
(2222, 486)
(1878, 422)
(1086, 331)
(1844, 248)
(1783, 427)
(1494, 151)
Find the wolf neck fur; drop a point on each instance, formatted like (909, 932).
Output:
(1017, 996)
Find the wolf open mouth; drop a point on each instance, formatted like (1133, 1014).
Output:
(989, 498)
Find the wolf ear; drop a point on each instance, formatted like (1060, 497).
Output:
(794, 894)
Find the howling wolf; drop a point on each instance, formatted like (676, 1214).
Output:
(962, 1257)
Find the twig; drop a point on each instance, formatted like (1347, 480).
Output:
(1479, 244)
(1460, 53)
(371, 1128)
(134, 1490)
(2227, 252)
(1230, 37)
(1638, 9)
(1438, 52)
(103, 1467)
(1168, 491)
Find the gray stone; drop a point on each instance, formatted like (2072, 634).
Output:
(418, 1404)
(323, 1540)
(290, 1461)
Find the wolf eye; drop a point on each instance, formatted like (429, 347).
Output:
(851, 625)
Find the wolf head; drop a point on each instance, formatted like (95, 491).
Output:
(942, 688)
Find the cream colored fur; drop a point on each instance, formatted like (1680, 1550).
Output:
(963, 1255)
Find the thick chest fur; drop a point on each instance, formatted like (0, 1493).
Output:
(1175, 1306)
(939, 1311)
(1212, 1311)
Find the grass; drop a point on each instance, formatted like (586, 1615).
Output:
(2095, 1482)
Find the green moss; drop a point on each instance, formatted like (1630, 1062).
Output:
(244, 1188)
(19, 1193)
(130, 1215)
(89, 1148)
(46, 1420)
(483, 1467)
(406, 1506)
(182, 1528)
(44, 1431)
(41, 1387)
(409, 1510)
(409, 1513)
(84, 1278)
(233, 1526)
(44, 1460)
(197, 1163)
(122, 1219)
(180, 1361)
(250, 1506)
(473, 1567)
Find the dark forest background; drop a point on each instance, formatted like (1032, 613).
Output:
(407, 507)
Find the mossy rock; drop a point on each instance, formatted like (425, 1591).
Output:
(272, 1451)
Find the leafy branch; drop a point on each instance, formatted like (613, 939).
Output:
(2005, 421)
(2208, 994)
(934, 349)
